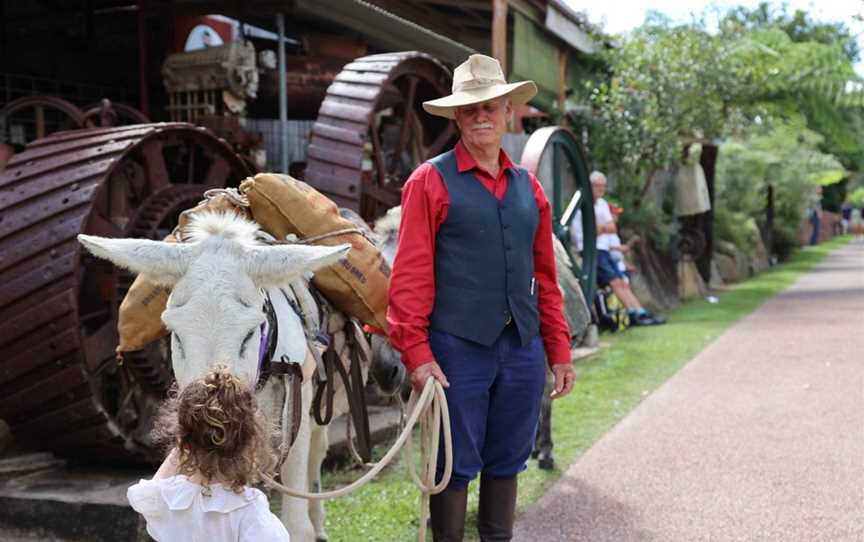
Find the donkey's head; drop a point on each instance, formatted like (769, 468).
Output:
(214, 312)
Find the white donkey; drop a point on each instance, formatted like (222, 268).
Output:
(215, 315)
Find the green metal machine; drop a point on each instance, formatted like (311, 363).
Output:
(555, 156)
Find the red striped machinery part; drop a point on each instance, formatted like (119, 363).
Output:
(371, 131)
(60, 386)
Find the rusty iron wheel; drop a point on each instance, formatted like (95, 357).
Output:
(371, 131)
(60, 386)
(107, 113)
(44, 115)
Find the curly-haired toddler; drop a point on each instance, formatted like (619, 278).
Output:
(201, 491)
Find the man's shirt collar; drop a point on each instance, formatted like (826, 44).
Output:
(466, 162)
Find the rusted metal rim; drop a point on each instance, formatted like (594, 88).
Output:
(371, 131)
(555, 156)
(124, 114)
(59, 384)
(39, 104)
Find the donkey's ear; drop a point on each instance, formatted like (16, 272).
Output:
(271, 266)
(163, 263)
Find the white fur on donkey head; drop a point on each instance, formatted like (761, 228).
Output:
(214, 311)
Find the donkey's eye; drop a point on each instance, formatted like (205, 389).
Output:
(246, 340)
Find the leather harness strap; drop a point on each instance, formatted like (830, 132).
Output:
(268, 367)
(323, 414)
(357, 400)
(294, 371)
(322, 403)
(328, 363)
(266, 357)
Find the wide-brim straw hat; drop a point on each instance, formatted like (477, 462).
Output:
(477, 80)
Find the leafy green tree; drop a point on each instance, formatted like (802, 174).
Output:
(784, 155)
(669, 84)
(798, 25)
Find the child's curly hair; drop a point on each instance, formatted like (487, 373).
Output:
(218, 431)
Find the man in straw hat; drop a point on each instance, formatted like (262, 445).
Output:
(474, 299)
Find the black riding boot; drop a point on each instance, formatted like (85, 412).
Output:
(497, 508)
(447, 514)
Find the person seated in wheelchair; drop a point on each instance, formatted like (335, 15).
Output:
(611, 270)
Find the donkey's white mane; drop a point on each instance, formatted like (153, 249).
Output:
(227, 225)
(389, 222)
(387, 227)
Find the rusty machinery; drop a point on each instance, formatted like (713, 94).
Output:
(212, 87)
(370, 132)
(211, 81)
(60, 385)
(29, 118)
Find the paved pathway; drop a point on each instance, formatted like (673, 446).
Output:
(759, 438)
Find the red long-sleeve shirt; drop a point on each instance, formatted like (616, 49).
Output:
(412, 283)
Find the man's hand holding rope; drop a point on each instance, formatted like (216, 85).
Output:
(421, 374)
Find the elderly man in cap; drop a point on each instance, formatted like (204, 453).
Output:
(474, 300)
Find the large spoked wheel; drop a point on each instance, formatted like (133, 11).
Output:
(33, 117)
(554, 155)
(371, 131)
(61, 387)
(107, 113)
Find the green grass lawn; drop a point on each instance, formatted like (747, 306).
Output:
(610, 384)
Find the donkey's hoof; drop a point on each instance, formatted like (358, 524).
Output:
(546, 463)
(320, 539)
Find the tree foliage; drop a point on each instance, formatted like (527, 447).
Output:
(784, 155)
(764, 77)
(799, 26)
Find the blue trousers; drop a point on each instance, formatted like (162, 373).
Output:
(494, 399)
(814, 233)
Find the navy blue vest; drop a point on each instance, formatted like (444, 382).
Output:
(484, 257)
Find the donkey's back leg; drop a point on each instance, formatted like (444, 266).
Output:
(543, 443)
(319, 443)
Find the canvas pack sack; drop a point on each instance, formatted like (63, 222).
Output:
(357, 285)
(139, 321)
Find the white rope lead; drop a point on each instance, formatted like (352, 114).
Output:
(432, 412)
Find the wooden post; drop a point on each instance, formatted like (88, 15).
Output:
(499, 33)
(562, 77)
(143, 90)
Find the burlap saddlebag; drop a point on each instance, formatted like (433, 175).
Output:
(357, 285)
(140, 318)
